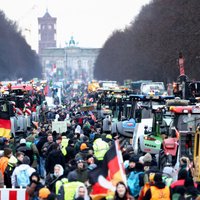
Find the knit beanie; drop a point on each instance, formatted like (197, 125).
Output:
(44, 193)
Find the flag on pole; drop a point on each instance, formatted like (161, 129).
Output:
(105, 178)
(181, 64)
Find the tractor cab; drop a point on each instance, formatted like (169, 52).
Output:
(186, 89)
(151, 122)
(182, 130)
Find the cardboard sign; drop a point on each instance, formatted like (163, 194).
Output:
(59, 126)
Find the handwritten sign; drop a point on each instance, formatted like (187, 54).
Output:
(59, 126)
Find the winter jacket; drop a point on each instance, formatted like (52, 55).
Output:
(53, 158)
(17, 171)
(7, 175)
(78, 175)
(3, 164)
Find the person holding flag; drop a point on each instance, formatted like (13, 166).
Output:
(106, 177)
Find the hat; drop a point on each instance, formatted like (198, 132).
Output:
(35, 174)
(109, 136)
(12, 160)
(22, 141)
(139, 167)
(146, 158)
(7, 151)
(134, 159)
(70, 141)
(158, 178)
(89, 156)
(83, 146)
(79, 160)
(44, 193)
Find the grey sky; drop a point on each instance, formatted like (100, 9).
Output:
(91, 22)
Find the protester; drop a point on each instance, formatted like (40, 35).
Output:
(158, 190)
(21, 174)
(4, 160)
(54, 157)
(71, 152)
(33, 188)
(12, 163)
(80, 173)
(100, 147)
(107, 124)
(121, 192)
(51, 178)
(81, 193)
(25, 149)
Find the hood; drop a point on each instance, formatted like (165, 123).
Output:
(23, 167)
(35, 174)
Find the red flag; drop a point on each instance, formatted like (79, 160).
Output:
(181, 64)
(105, 178)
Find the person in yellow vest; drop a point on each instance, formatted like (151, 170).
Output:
(64, 145)
(100, 147)
(158, 190)
(66, 190)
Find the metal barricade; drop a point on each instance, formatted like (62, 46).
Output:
(13, 194)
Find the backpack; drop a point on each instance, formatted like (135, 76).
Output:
(134, 183)
(23, 178)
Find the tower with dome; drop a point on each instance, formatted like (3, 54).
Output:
(70, 62)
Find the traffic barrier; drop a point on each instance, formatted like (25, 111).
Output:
(13, 194)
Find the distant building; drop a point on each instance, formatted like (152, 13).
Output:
(69, 63)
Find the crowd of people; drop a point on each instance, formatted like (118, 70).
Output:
(51, 165)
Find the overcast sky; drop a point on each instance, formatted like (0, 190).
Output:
(90, 22)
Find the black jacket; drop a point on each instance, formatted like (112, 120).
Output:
(53, 158)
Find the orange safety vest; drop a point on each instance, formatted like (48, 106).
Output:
(143, 191)
(3, 164)
(161, 194)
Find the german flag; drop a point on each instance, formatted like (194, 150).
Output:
(5, 125)
(105, 178)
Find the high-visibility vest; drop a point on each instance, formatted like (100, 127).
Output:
(100, 148)
(144, 190)
(69, 190)
(161, 194)
(59, 183)
(64, 144)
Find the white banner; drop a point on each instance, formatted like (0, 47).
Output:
(59, 126)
